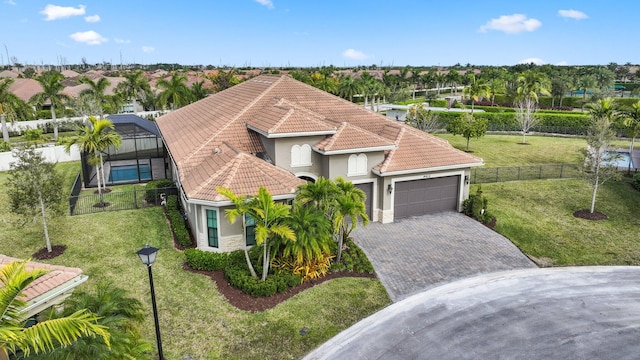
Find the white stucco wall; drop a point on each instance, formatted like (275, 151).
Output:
(51, 154)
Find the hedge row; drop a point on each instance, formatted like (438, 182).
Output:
(237, 273)
(177, 221)
(151, 194)
(577, 120)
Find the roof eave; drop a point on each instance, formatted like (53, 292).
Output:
(421, 170)
(355, 150)
(289, 135)
(229, 203)
(52, 297)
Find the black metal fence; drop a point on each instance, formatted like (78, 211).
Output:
(517, 173)
(75, 191)
(118, 200)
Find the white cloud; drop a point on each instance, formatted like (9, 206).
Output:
(562, 63)
(10, 2)
(511, 24)
(92, 18)
(534, 60)
(89, 37)
(573, 14)
(122, 41)
(267, 3)
(148, 49)
(54, 12)
(354, 54)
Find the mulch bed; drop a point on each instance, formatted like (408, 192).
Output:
(43, 254)
(247, 302)
(585, 214)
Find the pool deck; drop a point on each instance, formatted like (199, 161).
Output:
(635, 158)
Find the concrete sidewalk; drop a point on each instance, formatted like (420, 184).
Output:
(551, 313)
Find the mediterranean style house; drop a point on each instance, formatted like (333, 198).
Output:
(277, 132)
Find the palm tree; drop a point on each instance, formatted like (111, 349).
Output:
(8, 102)
(51, 82)
(321, 194)
(133, 87)
(96, 92)
(198, 91)
(348, 87)
(477, 88)
(44, 336)
(313, 234)
(585, 83)
(531, 84)
(94, 139)
(603, 115)
(440, 79)
(223, 80)
(240, 203)
(496, 86)
(453, 77)
(270, 219)
(118, 313)
(349, 208)
(632, 125)
(175, 91)
(366, 84)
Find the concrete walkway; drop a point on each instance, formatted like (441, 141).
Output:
(413, 254)
(551, 313)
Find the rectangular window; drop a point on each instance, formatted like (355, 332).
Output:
(250, 228)
(212, 227)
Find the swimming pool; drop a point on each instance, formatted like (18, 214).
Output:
(622, 159)
(129, 173)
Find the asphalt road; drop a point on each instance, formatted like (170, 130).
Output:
(551, 313)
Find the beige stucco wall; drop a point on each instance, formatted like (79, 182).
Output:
(282, 154)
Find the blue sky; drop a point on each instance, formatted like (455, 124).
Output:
(310, 33)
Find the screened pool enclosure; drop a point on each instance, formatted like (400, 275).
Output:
(140, 158)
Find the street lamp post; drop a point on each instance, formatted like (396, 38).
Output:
(148, 256)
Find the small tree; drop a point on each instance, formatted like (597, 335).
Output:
(35, 188)
(467, 126)
(599, 166)
(421, 118)
(526, 117)
(348, 209)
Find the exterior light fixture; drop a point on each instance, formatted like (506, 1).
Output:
(466, 179)
(390, 189)
(148, 256)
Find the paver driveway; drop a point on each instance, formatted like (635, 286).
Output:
(413, 254)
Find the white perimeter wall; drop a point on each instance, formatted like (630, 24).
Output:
(51, 154)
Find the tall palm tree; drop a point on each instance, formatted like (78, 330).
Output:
(320, 194)
(453, 77)
(8, 103)
(94, 138)
(477, 88)
(349, 208)
(531, 84)
(175, 91)
(44, 336)
(223, 80)
(198, 91)
(96, 91)
(119, 313)
(366, 84)
(51, 82)
(134, 87)
(241, 209)
(496, 86)
(585, 83)
(348, 87)
(632, 125)
(313, 234)
(440, 80)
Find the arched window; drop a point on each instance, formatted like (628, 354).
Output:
(357, 165)
(301, 155)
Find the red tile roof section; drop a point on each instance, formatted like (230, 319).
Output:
(351, 137)
(57, 276)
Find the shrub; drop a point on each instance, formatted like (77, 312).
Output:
(438, 103)
(33, 135)
(239, 277)
(5, 146)
(353, 259)
(151, 194)
(635, 181)
(476, 207)
(177, 222)
(206, 261)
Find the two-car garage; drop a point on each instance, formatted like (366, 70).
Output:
(425, 196)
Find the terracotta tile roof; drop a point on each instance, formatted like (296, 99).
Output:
(69, 73)
(25, 88)
(9, 74)
(57, 276)
(274, 104)
(352, 137)
(419, 150)
(241, 172)
(283, 117)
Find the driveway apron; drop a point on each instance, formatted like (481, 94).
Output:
(416, 253)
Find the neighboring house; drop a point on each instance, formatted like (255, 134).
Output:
(276, 132)
(50, 289)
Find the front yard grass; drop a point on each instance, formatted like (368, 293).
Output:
(537, 216)
(195, 320)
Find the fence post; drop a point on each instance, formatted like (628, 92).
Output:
(135, 199)
(540, 173)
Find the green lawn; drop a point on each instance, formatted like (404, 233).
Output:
(195, 320)
(537, 216)
(505, 150)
